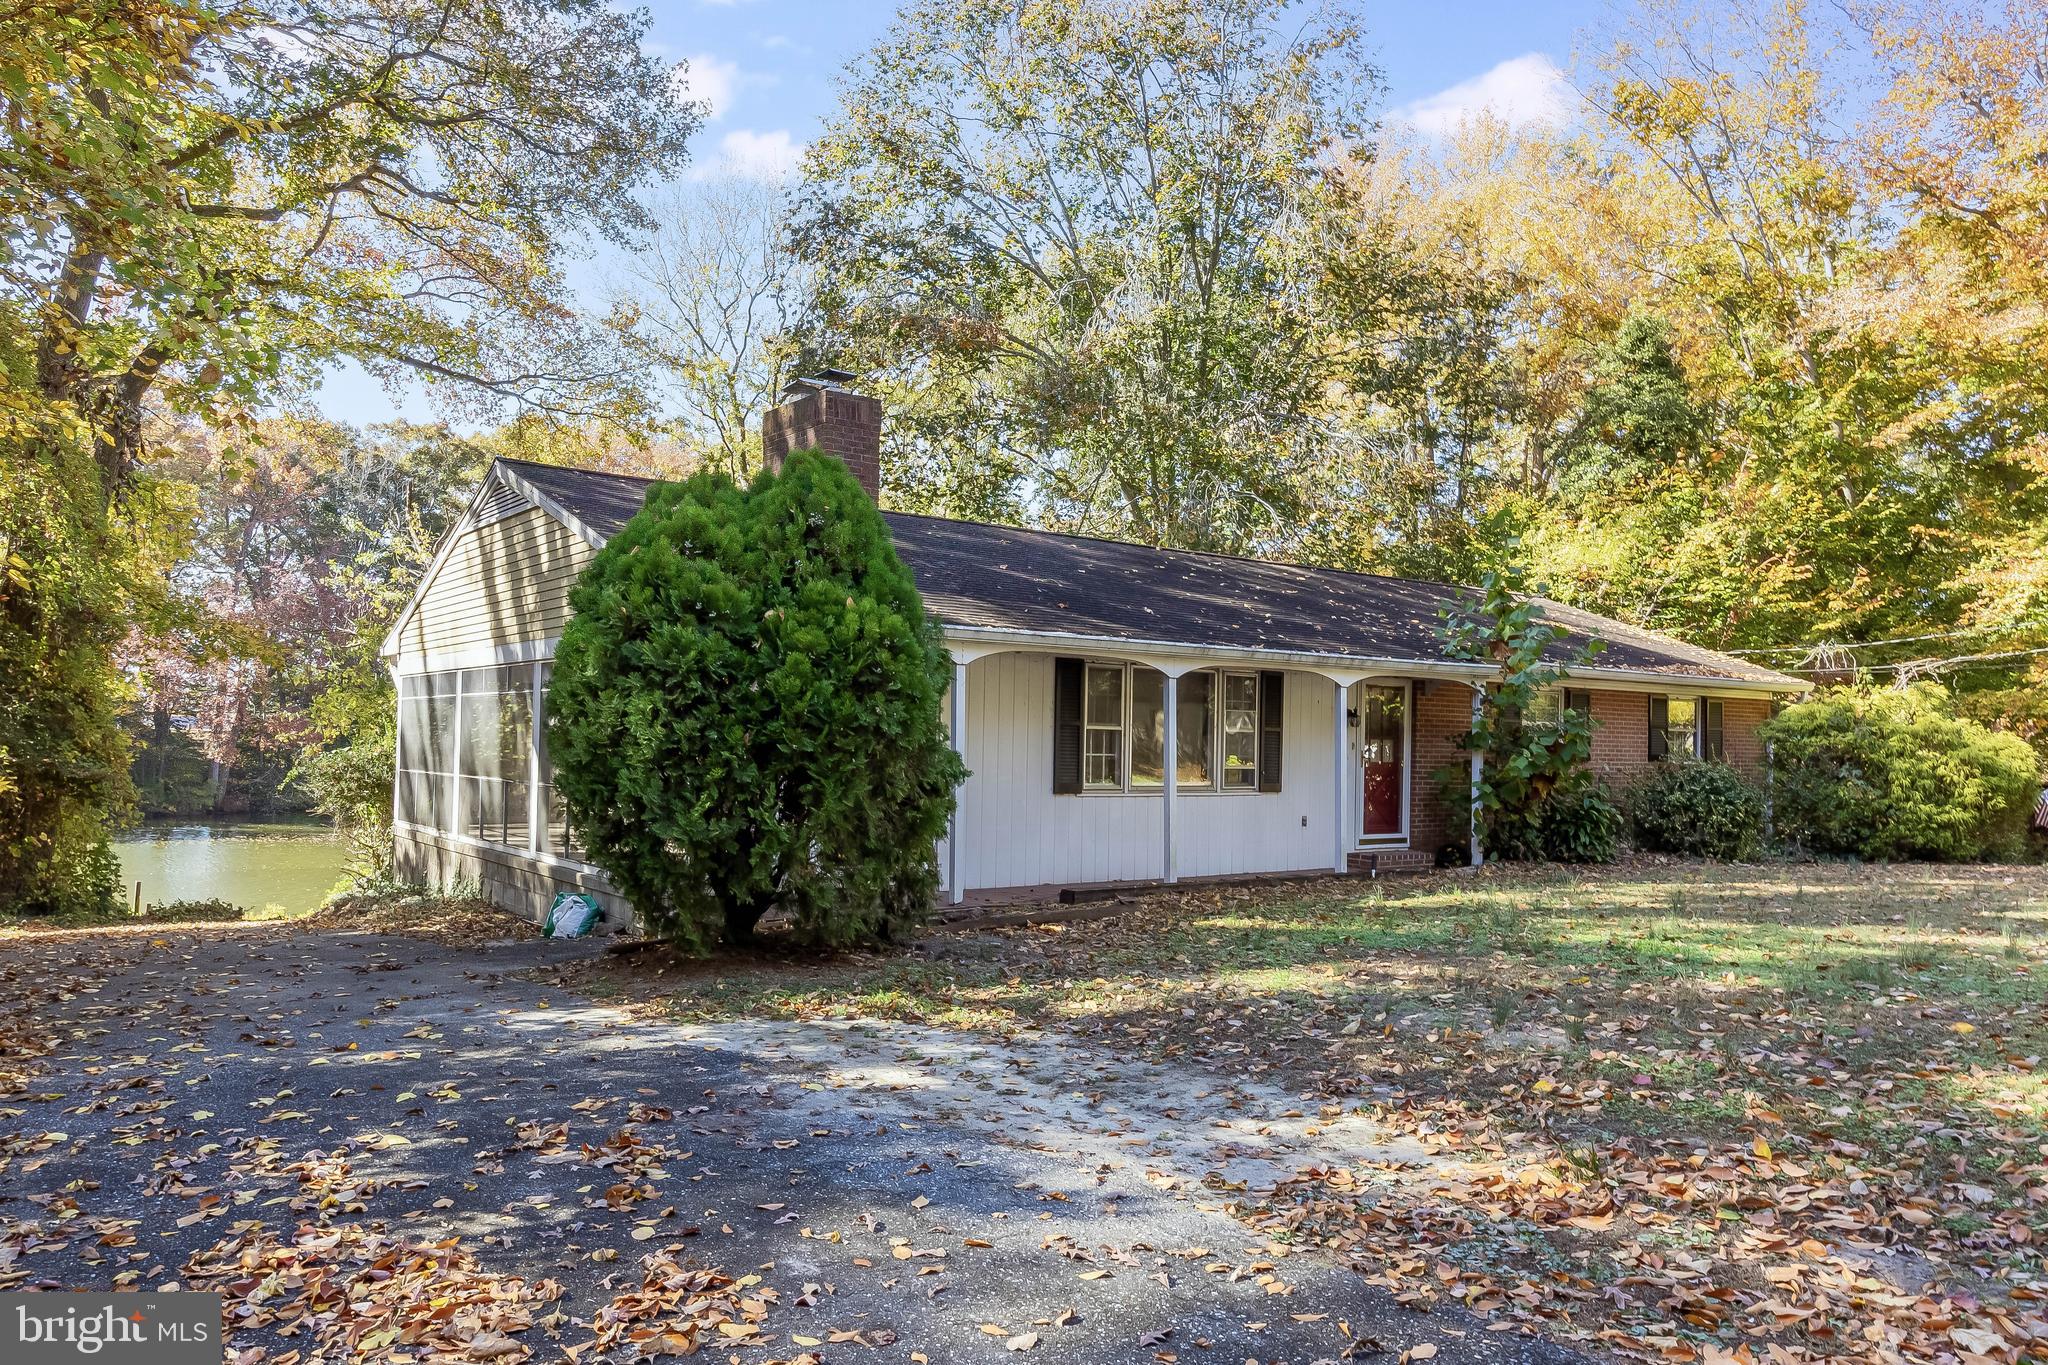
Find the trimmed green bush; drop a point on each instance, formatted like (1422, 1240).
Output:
(1896, 774)
(1703, 810)
(745, 713)
(1578, 825)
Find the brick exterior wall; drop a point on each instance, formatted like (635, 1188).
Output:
(1443, 711)
(1739, 721)
(1621, 749)
(1621, 737)
(835, 421)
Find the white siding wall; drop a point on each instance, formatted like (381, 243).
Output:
(1015, 832)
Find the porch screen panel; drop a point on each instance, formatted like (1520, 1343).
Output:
(497, 739)
(558, 836)
(426, 747)
(1195, 745)
(1148, 728)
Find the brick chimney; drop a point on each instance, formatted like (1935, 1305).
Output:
(818, 412)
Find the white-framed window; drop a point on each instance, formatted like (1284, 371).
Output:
(1687, 727)
(1241, 731)
(1124, 744)
(1148, 729)
(1194, 755)
(1546, 710)
(1682, 725)
(1103, 722)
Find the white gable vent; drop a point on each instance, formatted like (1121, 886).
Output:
(501, 500)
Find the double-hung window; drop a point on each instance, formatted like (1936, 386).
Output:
(1686, 727)
(1102, 750)
(1241, 731)
(1546, 710)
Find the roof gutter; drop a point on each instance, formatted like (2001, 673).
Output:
(992, 638)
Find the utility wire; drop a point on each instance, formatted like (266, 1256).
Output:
(1896, 640)
(1917, 666)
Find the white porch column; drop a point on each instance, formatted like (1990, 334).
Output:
(1478, 767)
(954, 890)
(1171, 670)
(1340, 725)
(1171, 765)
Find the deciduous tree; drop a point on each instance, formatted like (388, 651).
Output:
(1079, 242)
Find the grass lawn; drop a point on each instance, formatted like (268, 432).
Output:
(1678, 1111)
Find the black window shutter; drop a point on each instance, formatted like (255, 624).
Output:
(1069, 680)
(1712, 741)
(1272, 705)
(1580, 700)
(1660, 727)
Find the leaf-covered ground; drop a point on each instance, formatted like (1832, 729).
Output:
(1665, 1111)
(382, 1149)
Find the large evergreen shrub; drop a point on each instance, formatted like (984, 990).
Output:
(1888, 773)
(1703, 810)
(745, 712)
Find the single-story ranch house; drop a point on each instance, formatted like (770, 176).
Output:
(1127, 714)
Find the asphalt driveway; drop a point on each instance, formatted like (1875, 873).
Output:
(902, 1193)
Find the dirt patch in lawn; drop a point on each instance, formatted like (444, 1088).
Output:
(1687, 1112)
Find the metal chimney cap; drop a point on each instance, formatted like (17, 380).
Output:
(823, 379)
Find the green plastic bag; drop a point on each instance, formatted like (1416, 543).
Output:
(572, 915)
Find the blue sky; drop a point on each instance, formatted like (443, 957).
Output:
(768, 68)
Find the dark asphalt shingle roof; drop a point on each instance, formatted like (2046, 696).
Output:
(1008, 578)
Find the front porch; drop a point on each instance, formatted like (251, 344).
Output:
(1298, 770)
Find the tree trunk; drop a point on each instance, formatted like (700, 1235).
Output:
(740, 919)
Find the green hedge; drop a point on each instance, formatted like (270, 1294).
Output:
(1896, 774)
(1704, 810)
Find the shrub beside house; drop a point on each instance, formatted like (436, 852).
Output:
(1889, 773)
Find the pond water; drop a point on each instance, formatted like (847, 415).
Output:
(278, 866)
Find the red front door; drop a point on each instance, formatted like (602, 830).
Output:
(1382, 732)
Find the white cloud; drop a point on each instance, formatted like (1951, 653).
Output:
(709, 79)
(1521, 90)
(765, 156)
